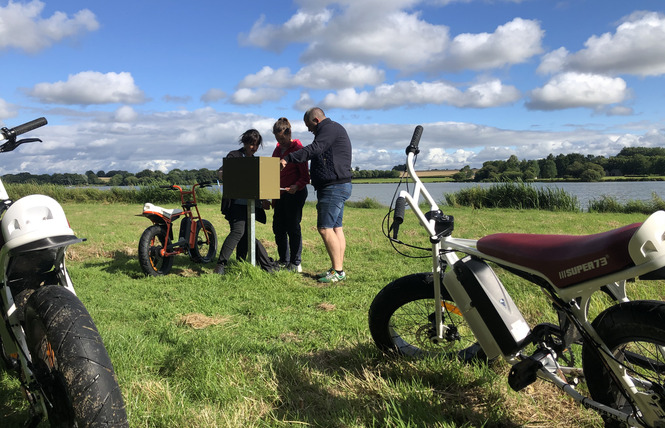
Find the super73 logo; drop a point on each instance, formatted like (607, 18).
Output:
(584, 267)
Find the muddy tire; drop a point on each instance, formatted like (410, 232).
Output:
(70, 361)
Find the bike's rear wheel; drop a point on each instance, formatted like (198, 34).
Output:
(70, 361)
(205, 246)
(635, 333)
(401, 321)
(152, 241)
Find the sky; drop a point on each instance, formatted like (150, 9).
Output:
(165, 84)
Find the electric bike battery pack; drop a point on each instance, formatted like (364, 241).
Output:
(487, 307)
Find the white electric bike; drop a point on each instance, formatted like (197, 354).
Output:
(467, 312)
(47, 338)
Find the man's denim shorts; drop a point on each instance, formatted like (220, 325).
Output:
(330, 205)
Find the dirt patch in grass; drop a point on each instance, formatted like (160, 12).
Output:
(200, 321)
(327, 307)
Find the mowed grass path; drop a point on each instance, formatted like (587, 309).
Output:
(250, 349)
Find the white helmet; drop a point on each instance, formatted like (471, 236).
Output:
(33, 218)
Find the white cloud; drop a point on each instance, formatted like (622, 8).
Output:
(637, 47)
(304, 102)
(512, 43)
(268, 76)
(482, 95)
(372, 32)
(301, 26)
(553, 62)
(7, 110)
(398, 39)
(620, 111)
(246, 96)
(329, 75)
(212, 95)
(125, 114)
(570, 90)
(320, 75)
(90, 87)
(24, 28)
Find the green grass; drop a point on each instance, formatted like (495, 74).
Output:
(251, 349)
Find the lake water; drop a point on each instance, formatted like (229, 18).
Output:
(622, 191)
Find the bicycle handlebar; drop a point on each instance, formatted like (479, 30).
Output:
(176, 187)
(11, 134)
(415, 140)
(398, 215)
(22, 129)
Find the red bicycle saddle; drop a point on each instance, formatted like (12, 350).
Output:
(564, 259)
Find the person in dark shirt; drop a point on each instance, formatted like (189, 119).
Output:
(330, 171)
(235, 212)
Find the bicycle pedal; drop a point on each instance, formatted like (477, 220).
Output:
(523, 374)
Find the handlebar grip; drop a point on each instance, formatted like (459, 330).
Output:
(415, 140)
(26, 127)
(398, 215)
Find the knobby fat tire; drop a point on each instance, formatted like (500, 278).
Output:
(153, 264)
(211, 247)
(70, 361)
(406, 291)
(622, 326)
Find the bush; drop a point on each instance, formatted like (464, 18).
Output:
(366, 203)
(138, 195)
(514, 195)
(608, 204)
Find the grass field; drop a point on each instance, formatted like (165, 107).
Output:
(250, 349)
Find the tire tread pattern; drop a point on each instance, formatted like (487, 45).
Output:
(90, 381)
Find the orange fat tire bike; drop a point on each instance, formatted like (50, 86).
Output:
(197, 236)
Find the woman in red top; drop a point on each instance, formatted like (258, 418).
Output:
(288, 208)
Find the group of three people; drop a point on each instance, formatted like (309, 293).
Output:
(330, 173)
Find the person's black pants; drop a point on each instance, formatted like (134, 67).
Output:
(286, 219)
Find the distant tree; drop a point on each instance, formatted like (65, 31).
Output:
(116, 180)
(489, 172)
(592, 172)
(548, 170)
(464, 174)
(530, 170)
(644, 151)
(638, 164)
(658, 165)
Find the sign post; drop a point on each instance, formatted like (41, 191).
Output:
(252, 178)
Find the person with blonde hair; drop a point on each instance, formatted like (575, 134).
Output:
(287, 210)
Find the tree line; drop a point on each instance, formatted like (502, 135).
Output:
(117, 178)
(148, 177)
(630, 161)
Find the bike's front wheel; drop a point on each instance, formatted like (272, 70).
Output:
(151, 243)
(402, 321)
(70, 361)
(635, 334)
(205, 246)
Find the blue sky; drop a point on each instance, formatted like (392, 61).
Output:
(136, 85)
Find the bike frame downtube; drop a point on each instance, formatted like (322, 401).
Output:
(419, 189)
